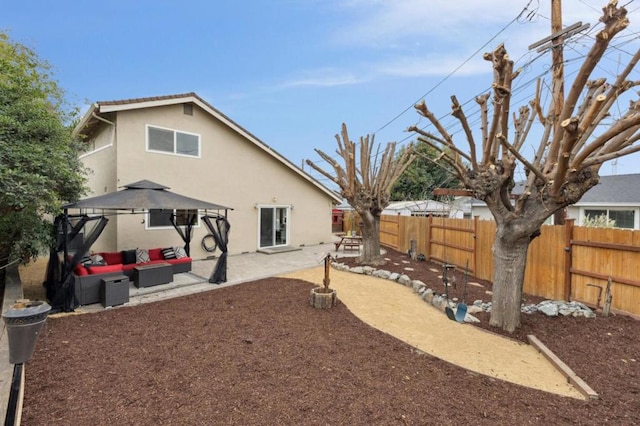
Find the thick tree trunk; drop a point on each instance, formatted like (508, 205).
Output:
(371, 239)
(510, 259)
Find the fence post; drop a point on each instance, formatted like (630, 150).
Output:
(568, 236)
(475, 245)
(400, 234)
(427, 245)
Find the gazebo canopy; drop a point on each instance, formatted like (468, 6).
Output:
(143, 194)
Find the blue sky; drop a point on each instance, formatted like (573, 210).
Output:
(291, 71)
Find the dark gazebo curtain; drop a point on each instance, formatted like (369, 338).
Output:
(220, 231)
(59, 284)
(188, 230)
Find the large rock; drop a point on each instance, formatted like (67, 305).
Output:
(417, 285)
(404, 280)
(381, 273)
(549, 309)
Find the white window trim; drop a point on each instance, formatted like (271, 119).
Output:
(147, 221)
(608, 208)
(146, 136)
(289, 208)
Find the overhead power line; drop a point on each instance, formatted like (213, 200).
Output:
(455, 70)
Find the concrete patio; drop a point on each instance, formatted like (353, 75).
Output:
(240, 268)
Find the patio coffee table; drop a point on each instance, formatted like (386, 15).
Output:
(150, 275)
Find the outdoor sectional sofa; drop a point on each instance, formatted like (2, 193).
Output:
(87, 278)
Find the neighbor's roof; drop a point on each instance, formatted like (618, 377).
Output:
(611, 190)
(91, 119)
(616, 189)
(143, 194)
(417, 205)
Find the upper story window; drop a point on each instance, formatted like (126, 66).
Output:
(173, 141)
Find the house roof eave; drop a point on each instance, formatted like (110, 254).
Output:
(139, 103)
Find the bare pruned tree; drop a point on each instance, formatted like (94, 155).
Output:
(365, 181)
(574, 144)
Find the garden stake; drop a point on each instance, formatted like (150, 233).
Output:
(461, 311)
(445, 280)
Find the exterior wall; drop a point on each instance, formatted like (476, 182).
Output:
(231, 171)
(482, 211)
(101, 160)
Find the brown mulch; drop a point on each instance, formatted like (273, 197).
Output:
(258, 354)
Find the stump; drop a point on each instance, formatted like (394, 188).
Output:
(321, 299)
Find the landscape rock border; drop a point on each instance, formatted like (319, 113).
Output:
(552, 308)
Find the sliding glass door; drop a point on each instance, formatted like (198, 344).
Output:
(274, 229)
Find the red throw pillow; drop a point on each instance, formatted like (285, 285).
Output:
(155, 254)
(112, 258)
(80, 270)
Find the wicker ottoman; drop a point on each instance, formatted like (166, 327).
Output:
(114, 290)
(150, 275)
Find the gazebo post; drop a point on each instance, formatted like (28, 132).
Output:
(65, 248)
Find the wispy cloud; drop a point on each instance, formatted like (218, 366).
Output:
(324, 77)
(381, 39)
(384, 23)
(432, 65)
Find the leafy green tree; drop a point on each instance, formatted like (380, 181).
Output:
(39, 165)
(423, 175)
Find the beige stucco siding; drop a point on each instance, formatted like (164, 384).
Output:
(231, 171)
(101, 179)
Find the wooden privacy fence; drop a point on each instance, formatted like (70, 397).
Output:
(565, 262)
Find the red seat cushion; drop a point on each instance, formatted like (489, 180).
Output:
(153, 262)
(181, 260)
(105, 269)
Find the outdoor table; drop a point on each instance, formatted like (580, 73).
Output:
(349, 243)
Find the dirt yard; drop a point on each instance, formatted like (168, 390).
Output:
(257, 353)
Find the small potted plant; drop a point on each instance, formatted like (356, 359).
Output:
(324, 297)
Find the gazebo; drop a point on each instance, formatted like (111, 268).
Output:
(137, 197)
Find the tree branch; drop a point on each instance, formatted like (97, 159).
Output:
(449, 145)
(459, 114)
(610, 156)
(459, 170)
(520, 158)
(484, 114)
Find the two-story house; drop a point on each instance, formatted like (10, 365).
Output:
(184, 143)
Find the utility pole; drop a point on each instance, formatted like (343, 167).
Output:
(557, 60)
(556, 43)
(557, 57)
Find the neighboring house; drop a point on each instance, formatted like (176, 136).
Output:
(184, 143)
(617, 197)
(423, 208)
